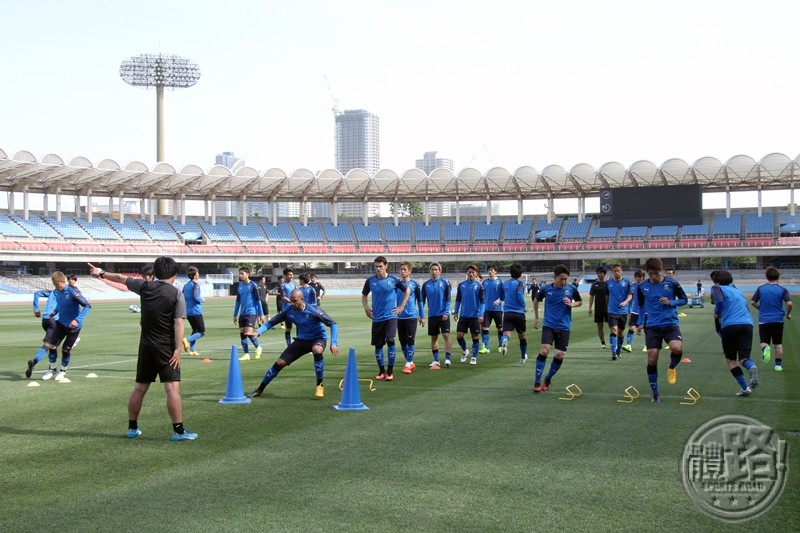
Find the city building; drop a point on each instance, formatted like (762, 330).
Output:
(357, 146)
(428, 164)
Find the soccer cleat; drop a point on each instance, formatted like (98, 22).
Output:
(434, 366)
(603, 346)
(133, 433)
(194, 354)
(627, 348)
(614, 357)
(546, 385)
(448, 363)
(186, 435)
(745, 392)
(656, 398)
(255, 394)
(753, 377)
(767, 354)
(778, 368)
(413, 365)
(484, 349)
(503, 348)
(245, 357)
(473, 361)
(319, 391)
(185, 345)
(29, 370)
(61, 374)
(464, 356)
(407, 368)
(47, 375)
(381, 376)
(523, 359)
(258, 352)
(644, 348)
(283, 326)
(537, 388)
(672, 376)
(389, 377)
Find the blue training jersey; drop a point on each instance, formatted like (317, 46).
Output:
(493, 291)
(50, 307)
(310, 323)
(413, 308)
(651, 311)
(634, 307)
(513, 292)
(71, 305)
(557, 314)
(384, 296)
(248, 302)
(771, 298)
(618, 292)
(193, 298)
(286, 290)
(309, 294)
(470, 300)
(730, 306)
(436, 293)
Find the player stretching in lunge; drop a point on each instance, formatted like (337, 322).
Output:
(513, 295)
(659, 297)
(311, 337)
(559, 298)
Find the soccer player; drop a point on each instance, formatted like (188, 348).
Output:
(163, 310)
(436, 292)
(319, 288)
(246, 311)
(285, 289)
(468, 313)
(194, 311)
(407, 320)
(492, 289)
(736, 330)
(559, 298)
(72, 281)
(383, 313)
(513, 292)
(48, 324)
(70, 310)
(619, 296)
(263, 294)
(598, 294)
(659, 297)
(670, 273)
(309, 294)
(770, 299)
(311, 337)
(638, 276)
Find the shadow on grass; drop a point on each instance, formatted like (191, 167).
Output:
(56, 433)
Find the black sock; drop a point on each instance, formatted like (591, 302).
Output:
(390, 369)
(178, 428)
(382, 369)
(133, 424)
(319, 382)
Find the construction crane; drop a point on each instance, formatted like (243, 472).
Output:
(334, 100)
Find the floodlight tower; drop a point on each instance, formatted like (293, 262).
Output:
(159, 71)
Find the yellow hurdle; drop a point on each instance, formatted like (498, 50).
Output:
(692, 397)
(573, 391)
(631, 393)
(371, 388)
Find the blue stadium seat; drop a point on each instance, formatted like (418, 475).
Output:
(219, 232)
(281, 232)
(489, 232)
(370, 233)
(247, 233)
(310, 233)
(457, 232)
(433, 232)
(575, 230)
(400, 233)
(340, 233)
(764, 224)
(98, 229)
(9, 228)
(516, 232)
(128, 230)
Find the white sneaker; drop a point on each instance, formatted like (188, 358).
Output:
(434, 365)
(503, 349)
(464, 356)
(448, 363)
(47, 375)
(60, 375)
(76, 342)
(523, 358)
(473, 361)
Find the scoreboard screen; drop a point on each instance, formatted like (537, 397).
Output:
(667, 205)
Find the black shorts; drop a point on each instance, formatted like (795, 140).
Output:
(492, 316)
(600, 316)
(617, 320)
(737, 341)
(154, 361)
(470, 324)
(436, 325)
(406, 331)
(556, 337)
(59, 333)
(299, 347)
(246, 321)
(197, 323)
(656, 336)
(48, 325)
(771, 333)
(634, 318)
(265, 306)
(384, 332)
(514, 322)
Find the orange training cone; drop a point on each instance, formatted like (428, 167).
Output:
(234, 393)
(351, 395)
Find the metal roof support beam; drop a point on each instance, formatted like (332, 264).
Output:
(759, 201)
(88, 206)
(45, 207)
(427, 212)
(488, 210)
(244, 210)
(727, 201)
(519, 210)
(550, 210)
(458, 210)
(142, 209)
(58, 204)
(364, 211)
(25, 199)
(151, 213)
(77, 204)
(212, 205)
(183, 207)
(121, 207)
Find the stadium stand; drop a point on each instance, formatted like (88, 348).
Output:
(247, 233)
(759, 225)
(457, 232)
(339, 233)
(516, 232)
(128, 230)
(220, 231)
(67, 227)
(36, 227)
(398, 237)
(491, 231)
(10, 229)
(727, 225)
(432, 232)
(633, 232)
(281, 232)
(159, 230)
(310, 233)
(98, 229)
(575, 230)
(369, 233)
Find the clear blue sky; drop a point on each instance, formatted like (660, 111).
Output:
(484, 83)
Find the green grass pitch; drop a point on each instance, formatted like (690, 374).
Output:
(464, 449)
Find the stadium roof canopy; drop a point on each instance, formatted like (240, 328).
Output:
(50, 174)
